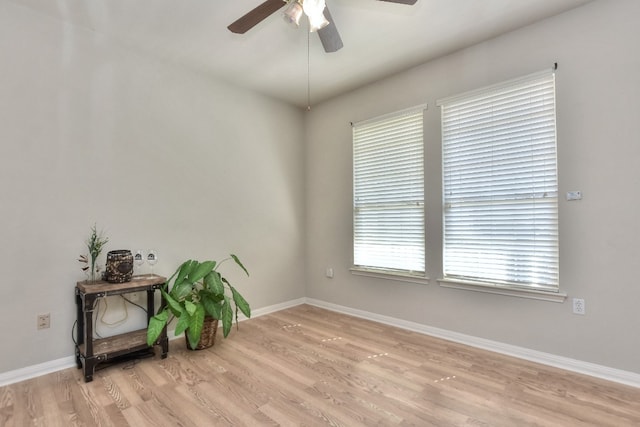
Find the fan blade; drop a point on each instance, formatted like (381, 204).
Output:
(329, 35)
(401, 1)
(256, 16)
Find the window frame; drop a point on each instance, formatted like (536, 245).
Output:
(529, 290)
(385, 272)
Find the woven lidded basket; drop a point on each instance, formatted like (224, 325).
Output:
(119, 268)
(208, 335)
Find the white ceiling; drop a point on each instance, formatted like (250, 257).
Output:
(379, 38)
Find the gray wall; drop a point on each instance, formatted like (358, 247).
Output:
(156, 155)
(599, 153)
(163, 157)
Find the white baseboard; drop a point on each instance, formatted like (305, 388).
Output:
(254, 313)
(598, 371)
(273, 308)
(587, 368)
(29, 372)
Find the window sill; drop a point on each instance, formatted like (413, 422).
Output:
(503, 290)
(390, 275)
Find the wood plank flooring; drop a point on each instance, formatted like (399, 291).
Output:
(308, 366)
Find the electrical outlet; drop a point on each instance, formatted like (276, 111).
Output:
(44, 321)
(578, 306)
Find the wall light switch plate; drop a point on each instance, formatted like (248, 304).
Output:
(574, 195)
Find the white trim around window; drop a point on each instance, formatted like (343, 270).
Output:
(388, 195)
(500, 188)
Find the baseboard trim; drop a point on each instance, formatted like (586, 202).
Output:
(273, 308)
(29, 372)
(254, 313)
(591, 369)
(573, 365)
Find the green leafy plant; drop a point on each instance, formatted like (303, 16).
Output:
(95, 243)
(195, 290)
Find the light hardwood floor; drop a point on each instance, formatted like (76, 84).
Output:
(309, 366)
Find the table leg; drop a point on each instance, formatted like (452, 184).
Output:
(79, 328)
(90, 361)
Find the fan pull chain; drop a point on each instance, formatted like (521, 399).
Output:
(309, 69)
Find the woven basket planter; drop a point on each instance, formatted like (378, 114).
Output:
(119, 268)
(208, 335)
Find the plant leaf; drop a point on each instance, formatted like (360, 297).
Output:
(211, 306)
(193, 339)
(195, 327)
(174, 305)
(237, 260)
(172, 276)
(227, 316)
(190, 307)
(185, 269)
(201, 270)
(214, 283)
(241, 303)
(183, 322)
(180, 290)
(156, 325)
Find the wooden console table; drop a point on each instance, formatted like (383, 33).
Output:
(90, 351)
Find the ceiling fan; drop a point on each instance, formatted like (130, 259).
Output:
(320, 19)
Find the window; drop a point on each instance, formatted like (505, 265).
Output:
(388, 178)
(500, 187)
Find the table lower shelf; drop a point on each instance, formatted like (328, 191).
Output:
(107, 349)
(116, 345)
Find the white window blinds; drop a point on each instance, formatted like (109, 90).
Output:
(388, 175)
(500, 184)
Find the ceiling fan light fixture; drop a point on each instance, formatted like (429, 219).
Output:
(317, 22)
(314, 9)
(293, 13)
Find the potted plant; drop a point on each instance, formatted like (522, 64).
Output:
(195, 291)
(95, 244)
